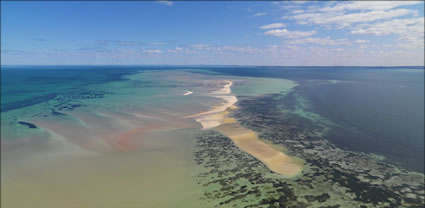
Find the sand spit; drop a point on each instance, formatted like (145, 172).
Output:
(214, 117)
(226, 88)
(246, 139)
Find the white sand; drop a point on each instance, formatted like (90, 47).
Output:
(226, 88)
(213, 118)
(187, 92)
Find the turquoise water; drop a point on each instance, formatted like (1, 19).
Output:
(378, 110)
(73, 133)
(70, 133)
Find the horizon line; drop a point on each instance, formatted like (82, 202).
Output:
(238, 65)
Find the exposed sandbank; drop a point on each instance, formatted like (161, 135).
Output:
(214, 117)
(187, 92)
(246, 139)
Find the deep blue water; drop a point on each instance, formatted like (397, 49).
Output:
(377, 109)
(25, 86)
(381, 112)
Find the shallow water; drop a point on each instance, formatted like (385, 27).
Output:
(164, 168)
(122, 138)
(128, 146)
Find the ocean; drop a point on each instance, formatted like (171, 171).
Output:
(125, 134)
(378, 110)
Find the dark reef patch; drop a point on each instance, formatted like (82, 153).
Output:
(28, 124)
(26, 102)
(57, 113)
(332, 177)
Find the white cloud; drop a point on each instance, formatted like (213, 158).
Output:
(226, 49)
(411, 45)
(289, 34)
(175, 50)
(345, 20)
(393, 26)
(363, 18)
(152, 51)
(272, 26)
(238, 49)
(259, 14)
(368, 5)
(165, 2)
(411, 31)
(244, 55)
(362, 41)
(297, 11)
(300, 2)
(321, 41)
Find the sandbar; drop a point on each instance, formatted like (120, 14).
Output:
(247, 140)
(187, 92)
(214, 117)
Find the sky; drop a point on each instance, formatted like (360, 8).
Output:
(286, 33)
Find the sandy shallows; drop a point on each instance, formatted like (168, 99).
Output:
(248, 141)
(160, 175)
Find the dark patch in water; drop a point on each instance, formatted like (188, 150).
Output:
(56, 113)
(68, 107)
(26, 102)
(28, 124)
(332, 177)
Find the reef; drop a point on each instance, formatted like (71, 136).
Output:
(28, 124)
(332, 177)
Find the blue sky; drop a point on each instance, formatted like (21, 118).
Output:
(190, 32)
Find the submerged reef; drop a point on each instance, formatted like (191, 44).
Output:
(28, 124)
(332, 177)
